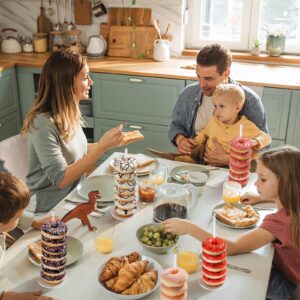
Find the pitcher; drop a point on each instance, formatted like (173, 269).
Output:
(161, 50)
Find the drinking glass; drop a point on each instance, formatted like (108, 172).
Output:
(231, 192)
(147, 191)
(104, 239)
(159, 176)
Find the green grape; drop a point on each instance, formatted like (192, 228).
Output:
(169, 236)
(156, 235)
(170, 243)
(149, 243)
(158, 244)
(146, 239)
(150, 235)
(146, 233)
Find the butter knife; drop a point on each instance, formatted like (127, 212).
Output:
(230, 266)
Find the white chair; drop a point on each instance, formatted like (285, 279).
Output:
(14, 152)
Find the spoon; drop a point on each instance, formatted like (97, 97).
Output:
(51, 11)
(157, 28)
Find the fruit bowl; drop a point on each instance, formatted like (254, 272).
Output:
(154, 239)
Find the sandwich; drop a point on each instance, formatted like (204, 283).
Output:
(132, 136)
(36, 249)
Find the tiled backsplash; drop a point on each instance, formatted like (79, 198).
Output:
(22, 15)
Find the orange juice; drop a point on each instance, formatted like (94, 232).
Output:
(188, 260)
(157, 179)
(231, 196)
(104, 244)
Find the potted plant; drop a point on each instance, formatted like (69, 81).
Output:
(255, 50)
(275, 40)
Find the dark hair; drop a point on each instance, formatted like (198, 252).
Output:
(14, 196)
(284, 162)
(215, 55)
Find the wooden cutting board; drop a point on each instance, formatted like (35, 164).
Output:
(119, 16)
(131, 41)
(82, 12)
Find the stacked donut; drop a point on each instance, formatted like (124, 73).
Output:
(125, 185)
(240, 160)
(54, 251)
(214, 261)
(173, 284)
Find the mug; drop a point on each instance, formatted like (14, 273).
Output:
(198, 180)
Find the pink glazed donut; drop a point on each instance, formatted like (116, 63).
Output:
(174, 277)
(163, 296)
(173, 291)
(240, 144)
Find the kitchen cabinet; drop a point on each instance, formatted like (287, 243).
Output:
(293, 135)
(10, 122)
(144, 103)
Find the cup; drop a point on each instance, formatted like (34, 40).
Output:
(231, 192)
(147, 191)
(188, 260)
(104, 239)
(159, 176)
(198, 180)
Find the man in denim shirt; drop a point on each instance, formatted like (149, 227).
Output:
(194, 106)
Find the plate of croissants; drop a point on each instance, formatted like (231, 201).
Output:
(131, 276)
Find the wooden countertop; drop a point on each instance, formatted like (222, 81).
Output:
(245, 72)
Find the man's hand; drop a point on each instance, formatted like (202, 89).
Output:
(216, 157)
(37, 295)
(185, 145)
(37, 224)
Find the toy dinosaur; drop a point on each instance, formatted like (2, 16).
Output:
(82, 210)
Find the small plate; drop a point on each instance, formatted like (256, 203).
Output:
(238, 205)
(103, 183)
(46, 285)
(144, 170)
(152, 264)
(74, 252)
(118, 217)
(177, 172)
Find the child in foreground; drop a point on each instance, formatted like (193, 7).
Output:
(278, 172)
(14, 198)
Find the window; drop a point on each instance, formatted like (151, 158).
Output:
(235, 23)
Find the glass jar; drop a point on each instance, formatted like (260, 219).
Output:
(40, 43)
(73, 41)
(56, 41)
(27, 44)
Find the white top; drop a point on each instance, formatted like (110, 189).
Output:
(82, 282)
(204, 113)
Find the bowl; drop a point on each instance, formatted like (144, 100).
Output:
(157, 227)
(110, 294)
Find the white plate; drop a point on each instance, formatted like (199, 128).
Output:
(74, 252)
(176, 172)
(44, 284)
(141, 171)
(118, 217)
(152, 264)
(212, 288)
(103, 183)
(238, 205)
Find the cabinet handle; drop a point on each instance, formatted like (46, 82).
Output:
(136, 127)
(135, 80)
(0, 124)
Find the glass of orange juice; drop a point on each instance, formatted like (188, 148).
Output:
(104, 239)
(159, 176)
(231, 192)
(188, 260)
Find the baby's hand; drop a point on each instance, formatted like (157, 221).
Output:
(250, 199)
(175, 226)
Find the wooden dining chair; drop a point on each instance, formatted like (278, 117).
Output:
(14, 153)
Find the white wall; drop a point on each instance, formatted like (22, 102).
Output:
(22, 15)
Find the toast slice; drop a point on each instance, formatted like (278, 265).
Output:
(237, 217)
(132, 136)
(36, 249)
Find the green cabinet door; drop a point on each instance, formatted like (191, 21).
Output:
(8, 92)
(293, 135)
(134, 98)
(10, 125)
(277, 107)
(155, 136)
(27, 83)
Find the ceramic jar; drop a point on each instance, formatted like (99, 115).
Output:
(275, 45)
(161, 50)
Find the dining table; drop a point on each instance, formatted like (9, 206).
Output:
(18, 273)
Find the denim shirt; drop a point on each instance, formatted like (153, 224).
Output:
(185, 110)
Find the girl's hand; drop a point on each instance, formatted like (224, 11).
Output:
(112, 138)
(250, 199)
(176, 226)
(37, 295)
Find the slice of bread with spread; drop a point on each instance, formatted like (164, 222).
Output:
(36, 249)
(132, 136)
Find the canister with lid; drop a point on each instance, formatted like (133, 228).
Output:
(57, 41)
(40, 43)
(73, 41)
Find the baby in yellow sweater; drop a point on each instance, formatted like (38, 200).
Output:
(224, 125)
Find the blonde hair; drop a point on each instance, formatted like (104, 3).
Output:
(14, 196)
(284, 162)
(56, 94)
(233, 91)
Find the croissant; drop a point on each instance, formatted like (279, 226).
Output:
(112, 268)
(110, 282)
(133, 256)
(129, 274)
(145, 283)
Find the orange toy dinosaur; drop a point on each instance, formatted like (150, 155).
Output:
(82, 210)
